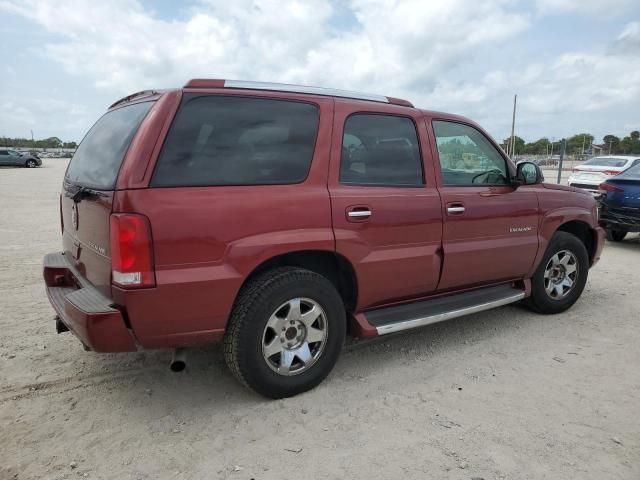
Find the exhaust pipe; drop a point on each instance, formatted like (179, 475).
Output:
(178, 360)
(60, 327)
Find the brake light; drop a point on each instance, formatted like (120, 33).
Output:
(611, 172)
(609, 187)
(131, 251)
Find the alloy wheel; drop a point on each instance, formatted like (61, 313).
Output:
(560, 274)
(295, 336)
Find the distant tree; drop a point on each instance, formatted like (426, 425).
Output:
(611, 144)
(518, 147)
(635, 135)
(539, 147)
(576, 143)
(69, 145)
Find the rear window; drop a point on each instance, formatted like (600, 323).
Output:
(98, 157)
(605, 162)
(230, 140)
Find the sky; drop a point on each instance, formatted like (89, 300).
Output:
(575, 64)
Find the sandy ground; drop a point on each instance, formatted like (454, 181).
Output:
(502, 394)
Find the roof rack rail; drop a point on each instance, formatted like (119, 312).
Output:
(285, 87)
(142, 93)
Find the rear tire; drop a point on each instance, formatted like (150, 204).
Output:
(616, 235)
(274, 343)
(561, 276)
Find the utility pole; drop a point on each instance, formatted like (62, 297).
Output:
(563, 146)
(610, 140)
(513, 126)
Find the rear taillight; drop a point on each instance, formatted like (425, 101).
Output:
(611, 172)
(609, 187)
(131, 251)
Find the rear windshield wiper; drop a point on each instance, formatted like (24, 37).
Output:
(84, 192)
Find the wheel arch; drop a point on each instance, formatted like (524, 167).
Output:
(584, 232)
(333, 266)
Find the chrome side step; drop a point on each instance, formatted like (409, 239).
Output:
(418, 314)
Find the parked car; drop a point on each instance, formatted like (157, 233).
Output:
(592, 173)
(277, 219)
(10, 157)
(620, 204)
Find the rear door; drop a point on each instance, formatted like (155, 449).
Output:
(386, 211)
(490, 229)
(88, 189)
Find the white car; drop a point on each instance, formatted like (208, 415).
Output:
(596, 170)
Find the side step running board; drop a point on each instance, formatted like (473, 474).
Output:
(418, 314)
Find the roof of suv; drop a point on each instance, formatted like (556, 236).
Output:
(285, 87)
(206, 83)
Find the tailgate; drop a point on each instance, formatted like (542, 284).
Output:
(87, 195)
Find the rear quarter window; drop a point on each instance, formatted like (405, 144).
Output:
(97, 160)
(231, 140)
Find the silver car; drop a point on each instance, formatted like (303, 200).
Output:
(10, 157)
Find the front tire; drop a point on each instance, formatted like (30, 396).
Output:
(616, 235)
(285, 332)
(31, 164)
(561, 276)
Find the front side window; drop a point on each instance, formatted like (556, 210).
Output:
(231, 140)
(380, 150)
(467, 157)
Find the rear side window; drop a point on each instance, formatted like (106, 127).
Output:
(99, 155)
(380, 150)
(606, 162)
(229, 140)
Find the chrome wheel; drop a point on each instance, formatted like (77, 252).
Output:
(295, 336)
(560, 274)
(31, 164)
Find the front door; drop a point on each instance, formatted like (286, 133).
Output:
(386, 210)
(490, 229)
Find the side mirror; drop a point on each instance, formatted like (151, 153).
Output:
(528, 173)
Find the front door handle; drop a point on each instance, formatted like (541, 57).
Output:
(358, 213)
(455, 208)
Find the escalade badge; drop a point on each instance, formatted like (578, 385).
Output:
(520, 229)
(74, 216)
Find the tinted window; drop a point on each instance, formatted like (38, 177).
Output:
(4, 152)
(467, 157)
(218, 140)
(99, 155)
(380, 150)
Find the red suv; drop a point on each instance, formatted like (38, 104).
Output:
(279, 219)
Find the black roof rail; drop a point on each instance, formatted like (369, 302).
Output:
(142, 93)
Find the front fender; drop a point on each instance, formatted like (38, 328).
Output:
(552, 220)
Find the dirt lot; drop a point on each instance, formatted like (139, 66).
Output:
(502, 394)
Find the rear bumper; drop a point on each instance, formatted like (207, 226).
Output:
(620, 219)
(84, 309)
